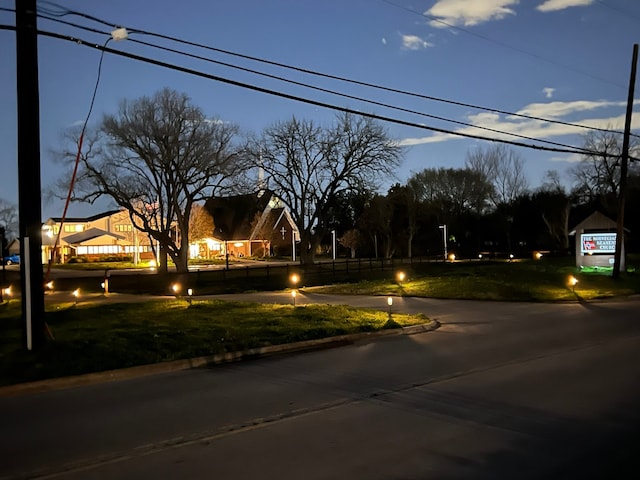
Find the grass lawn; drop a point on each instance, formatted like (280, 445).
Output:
(544, 281)
(109, 336)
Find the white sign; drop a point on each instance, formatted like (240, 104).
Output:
(591, 243)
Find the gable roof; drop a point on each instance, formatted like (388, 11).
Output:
(89, 234)
(233, 217)
(596, 220)
(92, 218)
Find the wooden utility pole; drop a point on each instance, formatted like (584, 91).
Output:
(29, 187)
(623, 167)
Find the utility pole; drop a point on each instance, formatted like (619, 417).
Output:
(617, 262)
(29, 187)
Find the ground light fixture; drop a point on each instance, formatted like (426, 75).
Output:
(390, 304)
(49, 285)
(538, 256)
(7, 291)
(452, 257)
(189, 295)
(401, 276)
(294, 278)
(573, 281)
(76, 295)
(175, 288)
(294, 294)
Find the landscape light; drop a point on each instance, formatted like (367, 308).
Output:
(538, 255)
(176, 287)
(49, 285)
(572, 282)
(76, 295)
(189, 295)
(7, 291)
(452, 257)
(401, 276)
(480, 255)
(511, 256)
(293, 297)
(294, 278)
(390, 304)
(152, 264)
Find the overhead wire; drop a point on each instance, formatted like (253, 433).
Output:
(340, 78)
(324, 90)
(502, 44)
(317, 103)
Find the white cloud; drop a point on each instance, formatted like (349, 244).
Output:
(554, 5)
(548, 91)
(467, 13)
(553, 110)
(413, 42)
(535, 129)
(384, 41)
(570, 158)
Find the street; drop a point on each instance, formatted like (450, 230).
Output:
(500, 390)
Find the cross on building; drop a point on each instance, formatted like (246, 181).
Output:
(283, 231)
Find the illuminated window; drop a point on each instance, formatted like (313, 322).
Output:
(124, 228)
(73, 228)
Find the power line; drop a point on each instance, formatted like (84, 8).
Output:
(313, 87)
(504, 45)
(339, 78)
(316, 103)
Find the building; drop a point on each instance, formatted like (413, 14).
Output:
(595, 239)
(104, 235)
(256, 224)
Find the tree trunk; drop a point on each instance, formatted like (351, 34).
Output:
(163, 267)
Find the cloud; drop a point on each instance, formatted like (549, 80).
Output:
(555, 5)
(548, 91)
(553, 110)
(467, 13)
(569, 158)
(534, 129)
(413, 42)
(384, 41)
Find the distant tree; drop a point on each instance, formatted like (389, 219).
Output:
(597, 176)
(157, 158)
(200, 223)
(452, 191)
(503, 169)
(308, 166)
(377, 221)
(351, 240)
(9, 219)
(554, 206)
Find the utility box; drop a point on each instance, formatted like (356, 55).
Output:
(595, 239)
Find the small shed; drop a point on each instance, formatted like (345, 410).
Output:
(595, 239)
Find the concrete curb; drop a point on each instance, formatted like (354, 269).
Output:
(207, 361)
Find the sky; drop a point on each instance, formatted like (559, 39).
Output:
(560, 60)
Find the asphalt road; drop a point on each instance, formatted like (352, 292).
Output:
(500, 390)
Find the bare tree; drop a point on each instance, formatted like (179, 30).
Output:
(156, 158)
(597, 175)
(503, 168)
(9, 219)
(307, 166)
(350, 240)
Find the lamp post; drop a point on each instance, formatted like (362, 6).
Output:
(444, 239)
(333, 243)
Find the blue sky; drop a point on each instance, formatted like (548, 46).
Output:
(566, 60)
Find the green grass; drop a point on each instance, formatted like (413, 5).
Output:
(110, 336)
(543, 281)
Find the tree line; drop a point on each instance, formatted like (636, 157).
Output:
(160, 156)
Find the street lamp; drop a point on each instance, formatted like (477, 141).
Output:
(444, 239)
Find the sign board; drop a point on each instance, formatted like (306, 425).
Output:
(592, 243)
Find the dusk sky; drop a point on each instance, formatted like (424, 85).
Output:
(566, 60)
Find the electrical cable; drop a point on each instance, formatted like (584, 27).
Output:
(77, 160)
(502, 44)
(302, 99)
(305, 85)
(334, 77)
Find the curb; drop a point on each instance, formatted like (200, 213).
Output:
(206, 361)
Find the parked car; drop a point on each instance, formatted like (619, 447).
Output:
(11, 259)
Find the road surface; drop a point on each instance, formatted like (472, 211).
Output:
(500, 390)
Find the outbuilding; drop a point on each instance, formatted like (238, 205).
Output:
(595, 239)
